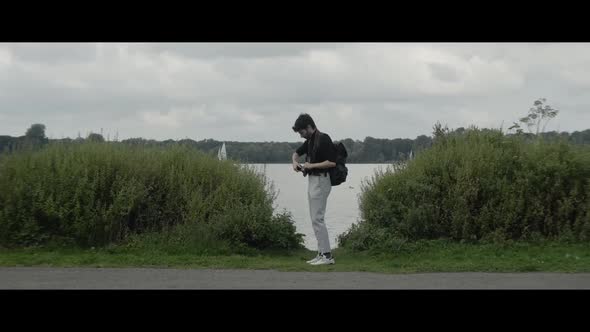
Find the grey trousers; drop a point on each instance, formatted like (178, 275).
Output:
(318, 190)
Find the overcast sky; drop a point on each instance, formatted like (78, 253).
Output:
(254, 92)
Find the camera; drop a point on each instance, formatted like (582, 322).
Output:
(303, 169)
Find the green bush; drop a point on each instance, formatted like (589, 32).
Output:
(93, 194)
(479, 185)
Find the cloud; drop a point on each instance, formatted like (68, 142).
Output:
(158, 119)
(52, 53)
(235, 50)
(255, 91)
(445, 73)
(5, 58)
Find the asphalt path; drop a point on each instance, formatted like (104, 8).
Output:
(149, 278)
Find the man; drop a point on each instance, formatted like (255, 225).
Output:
(321, 156)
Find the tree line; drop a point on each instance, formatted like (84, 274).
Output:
(369, 150)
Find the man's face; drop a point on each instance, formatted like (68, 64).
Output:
(305, 133)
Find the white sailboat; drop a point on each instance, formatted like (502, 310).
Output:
(222, 154)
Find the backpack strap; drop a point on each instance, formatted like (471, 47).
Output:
(311, 150)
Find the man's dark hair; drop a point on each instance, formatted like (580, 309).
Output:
(302, 121)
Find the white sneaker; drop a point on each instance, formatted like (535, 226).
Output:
(323, 260)
(315, 259)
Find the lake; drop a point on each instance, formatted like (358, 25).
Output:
(342, 209)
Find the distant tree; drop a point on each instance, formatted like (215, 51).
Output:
(36, 131)
(538, 114)
(439, 132)
(94, 137)
(422, 142)
(34, 137)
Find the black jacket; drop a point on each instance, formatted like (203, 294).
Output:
(324, 151)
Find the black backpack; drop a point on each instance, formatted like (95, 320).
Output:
(338, 174)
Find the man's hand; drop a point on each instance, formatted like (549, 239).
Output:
(296, 167)
(308, 166)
